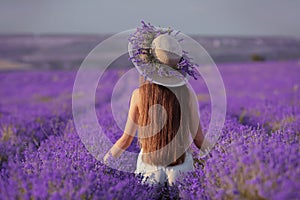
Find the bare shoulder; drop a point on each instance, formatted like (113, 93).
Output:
(135, 96)
(135, 93)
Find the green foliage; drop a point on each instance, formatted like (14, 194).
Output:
(257, 57)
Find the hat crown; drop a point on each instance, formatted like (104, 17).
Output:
(167, 50)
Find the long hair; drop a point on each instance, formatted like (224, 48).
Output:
(160, 133)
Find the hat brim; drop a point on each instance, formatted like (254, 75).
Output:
(148, 70)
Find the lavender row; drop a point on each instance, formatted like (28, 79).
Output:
(256, 156)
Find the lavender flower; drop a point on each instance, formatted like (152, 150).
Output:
(256, 156)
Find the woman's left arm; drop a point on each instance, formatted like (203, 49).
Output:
(130, 129)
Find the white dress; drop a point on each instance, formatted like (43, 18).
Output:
(158, 174)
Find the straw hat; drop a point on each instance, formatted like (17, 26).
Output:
(167, 50)
(159, 57)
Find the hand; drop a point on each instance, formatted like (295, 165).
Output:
(106, 158)
(204, 153)
(205, 148)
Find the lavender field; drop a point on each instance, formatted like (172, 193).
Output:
(256, 157)
(42, 157)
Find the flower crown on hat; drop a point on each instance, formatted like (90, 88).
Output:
(141, 41)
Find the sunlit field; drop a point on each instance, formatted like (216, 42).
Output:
(256, 156)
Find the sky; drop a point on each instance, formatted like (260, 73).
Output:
(205, 17)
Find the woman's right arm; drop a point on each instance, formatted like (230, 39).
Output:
(199, 138)
(195, 125)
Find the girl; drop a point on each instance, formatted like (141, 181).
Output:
(163, 109)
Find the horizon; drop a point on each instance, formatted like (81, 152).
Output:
(109, 34)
